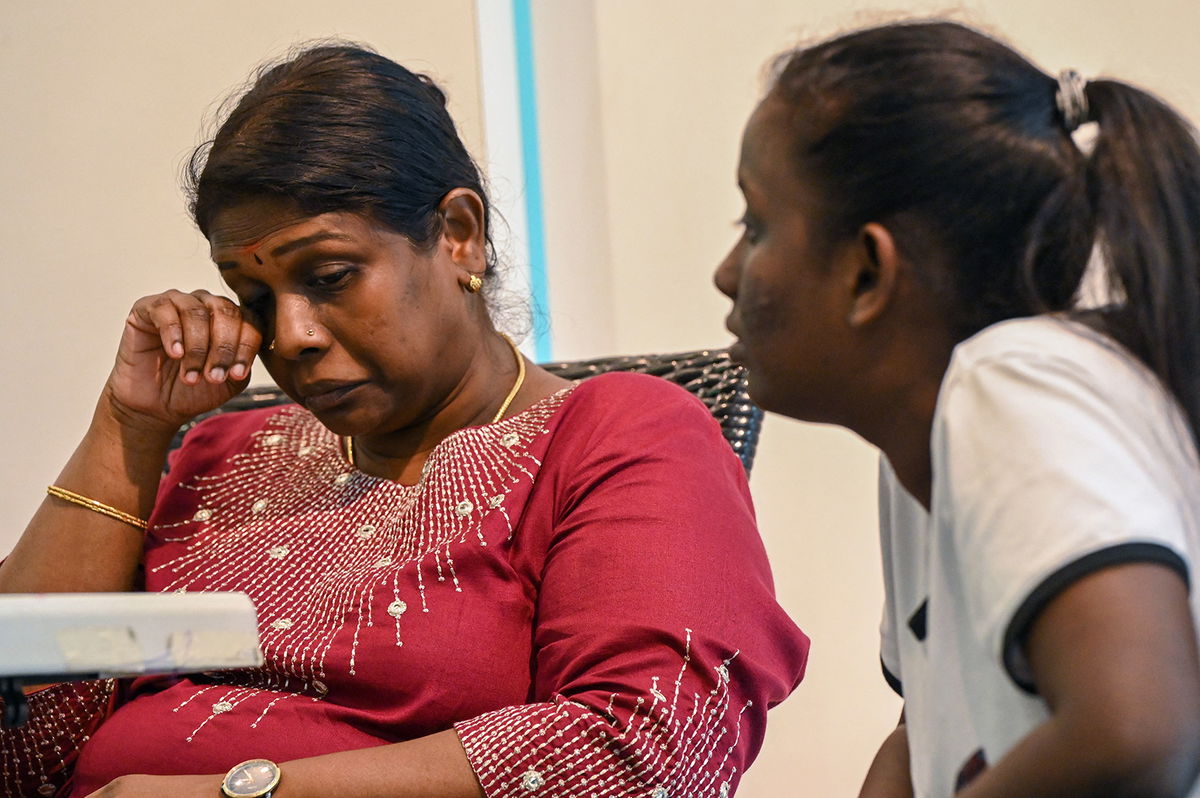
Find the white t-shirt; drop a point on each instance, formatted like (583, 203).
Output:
(1055, 453)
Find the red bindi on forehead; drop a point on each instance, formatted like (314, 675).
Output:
(243, 229)
(255, 247)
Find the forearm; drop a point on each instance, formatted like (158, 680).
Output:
(889, 775)
(68, 548)
(1060, 759)
(428, 767)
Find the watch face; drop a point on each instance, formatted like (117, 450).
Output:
(256, 777)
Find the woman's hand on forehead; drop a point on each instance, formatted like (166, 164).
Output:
(182, 354)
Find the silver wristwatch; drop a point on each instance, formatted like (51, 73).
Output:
(254, 778)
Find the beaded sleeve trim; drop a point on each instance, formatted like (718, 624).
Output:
(35, 758)
(671, 741)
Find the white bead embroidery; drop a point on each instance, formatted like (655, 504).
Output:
(682, 745)
(532, 781)
(391, 537)
(310, 504)
(32, 756)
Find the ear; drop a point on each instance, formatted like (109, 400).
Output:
(463, 229)
(875, 266)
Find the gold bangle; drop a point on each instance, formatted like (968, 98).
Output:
(95, 506)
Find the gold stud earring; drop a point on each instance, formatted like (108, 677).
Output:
(475, 284)
(271, 346)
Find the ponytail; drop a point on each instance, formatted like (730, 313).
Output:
(1143, 180)
(970, 144)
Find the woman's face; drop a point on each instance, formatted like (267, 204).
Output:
(370, 334)
(788, 301)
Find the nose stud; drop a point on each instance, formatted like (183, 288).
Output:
(309, 331)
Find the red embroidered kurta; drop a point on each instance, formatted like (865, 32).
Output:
(579, 590)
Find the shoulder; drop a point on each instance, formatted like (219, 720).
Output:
(211, 446)
(629, 395)
(625, 406)
(217, 437)
(1054, 358)
(1049, 415)
(1034, 373)
(633, 414)
(1047, 343)
(622, 383)
(227, 422)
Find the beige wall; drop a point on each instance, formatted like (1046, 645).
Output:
(677, 78)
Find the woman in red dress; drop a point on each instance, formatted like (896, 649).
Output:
(472, 577)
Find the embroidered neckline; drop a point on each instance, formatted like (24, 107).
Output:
(327, 551)
(555, 399)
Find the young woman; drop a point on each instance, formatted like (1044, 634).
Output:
(922, 209)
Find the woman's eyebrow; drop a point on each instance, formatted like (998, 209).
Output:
(305, 241)
(285, 248)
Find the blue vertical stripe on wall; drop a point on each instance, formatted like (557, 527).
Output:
(530, 154)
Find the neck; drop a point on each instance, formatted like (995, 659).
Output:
(485, 389)
(900, 422)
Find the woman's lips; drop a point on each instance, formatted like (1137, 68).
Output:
(325, 396)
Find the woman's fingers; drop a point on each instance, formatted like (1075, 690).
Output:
(225, 330)
(196, 320)
(159, 317)
(249, 342)
(207, 334)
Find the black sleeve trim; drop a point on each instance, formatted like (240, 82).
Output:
(1027, 613)
(919, 622)
(891, 679)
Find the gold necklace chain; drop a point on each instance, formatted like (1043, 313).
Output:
(512, 394)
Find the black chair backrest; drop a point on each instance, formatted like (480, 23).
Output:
(708, 374)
